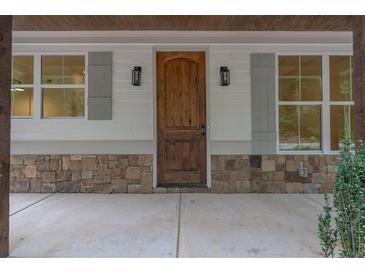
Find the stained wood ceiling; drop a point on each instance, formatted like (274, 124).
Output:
(186, 22)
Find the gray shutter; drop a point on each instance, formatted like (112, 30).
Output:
(263, 103)
(100, 85)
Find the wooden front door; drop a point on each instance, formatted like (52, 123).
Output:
(181, 128)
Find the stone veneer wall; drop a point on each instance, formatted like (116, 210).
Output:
(133, 174)
(272, 173)
(81, 173)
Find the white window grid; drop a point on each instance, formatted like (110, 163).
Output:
(62, 86)
(325, 104)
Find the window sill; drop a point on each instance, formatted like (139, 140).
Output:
(64, 118)
(22, 117)
(308, 152)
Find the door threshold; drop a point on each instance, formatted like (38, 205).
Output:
(182, 185)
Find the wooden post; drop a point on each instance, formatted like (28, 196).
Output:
(5, 85)
(359, 75)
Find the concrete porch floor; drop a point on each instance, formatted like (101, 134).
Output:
(164, 225)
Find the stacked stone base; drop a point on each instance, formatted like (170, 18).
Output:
(272, 173)
(81, 173)
(133, 174)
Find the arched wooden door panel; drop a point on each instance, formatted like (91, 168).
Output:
(181, 120)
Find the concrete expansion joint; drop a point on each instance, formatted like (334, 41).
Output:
(28, 206)
(313, 201)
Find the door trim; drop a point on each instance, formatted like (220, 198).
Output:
(187, 48)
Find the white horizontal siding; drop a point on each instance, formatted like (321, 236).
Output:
(135, 125)
(229, 108)
(123, 85)
(132, 95)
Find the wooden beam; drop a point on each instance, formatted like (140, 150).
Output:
(359, 75)
(183, 22)
(5, 85)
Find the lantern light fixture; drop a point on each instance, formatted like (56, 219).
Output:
(136, 76)
(225, 77)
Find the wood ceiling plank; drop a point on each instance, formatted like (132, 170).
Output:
(183, 22)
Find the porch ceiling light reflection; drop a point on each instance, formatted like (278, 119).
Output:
(17, 89)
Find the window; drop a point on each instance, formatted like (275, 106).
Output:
(341, 102)
(315, 113)
(300, 103)
(63, 86)
(22, 86)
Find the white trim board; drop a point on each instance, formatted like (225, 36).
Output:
(230, 148)
(82, 147)
(182, 37)
(116, 147)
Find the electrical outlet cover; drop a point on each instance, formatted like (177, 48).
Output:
(303, 172)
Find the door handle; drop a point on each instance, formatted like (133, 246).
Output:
(203, 133)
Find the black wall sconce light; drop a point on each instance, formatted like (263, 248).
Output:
(225, 77)
(136, 76)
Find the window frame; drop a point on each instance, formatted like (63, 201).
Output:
(33, 86)
(325, 103)
(339, 103)
(62, 86)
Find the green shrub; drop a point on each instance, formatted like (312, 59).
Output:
(349, 205)
(327, 234)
